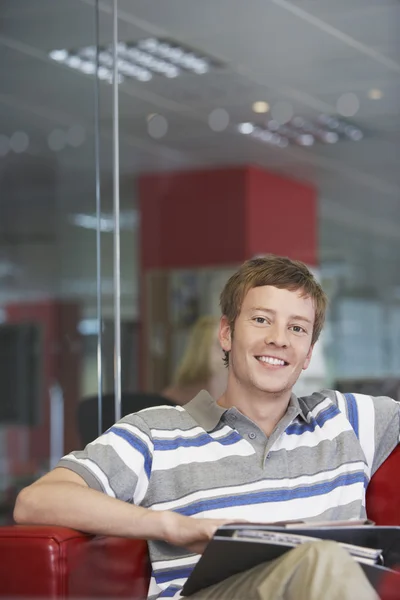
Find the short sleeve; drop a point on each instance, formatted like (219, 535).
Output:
(387, 428)
(376, 423)
(118, 462)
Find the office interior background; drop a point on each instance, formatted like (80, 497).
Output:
(298, 101)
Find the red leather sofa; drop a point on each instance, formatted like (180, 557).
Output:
(54, 562)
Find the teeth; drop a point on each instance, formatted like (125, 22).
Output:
(271, 361)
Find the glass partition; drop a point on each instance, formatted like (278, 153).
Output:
(48, 255)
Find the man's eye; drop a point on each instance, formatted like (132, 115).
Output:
(260, 320)
(298, 329)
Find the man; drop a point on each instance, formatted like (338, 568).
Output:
(172, 475)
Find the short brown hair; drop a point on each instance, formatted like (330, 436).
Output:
(280, 272)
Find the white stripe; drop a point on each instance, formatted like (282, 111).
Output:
(224, 431)
(320, 407)
(140, 489)
(176, 562)
(264, 485)
(342, 404)
(168, 434)
(298, 508)
(212, 452)
(98, 473)
(366, 427)
(181, 581)
(137, 433)
(310, 439)
(163, 406)
(156, 589)
(153, 587)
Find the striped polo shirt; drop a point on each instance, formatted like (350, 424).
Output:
(205, 461)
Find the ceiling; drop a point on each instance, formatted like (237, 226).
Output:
(306, 52)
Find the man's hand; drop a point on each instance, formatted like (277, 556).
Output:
(188, 532)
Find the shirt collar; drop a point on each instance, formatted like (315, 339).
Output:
(301, 408)
(207, 413)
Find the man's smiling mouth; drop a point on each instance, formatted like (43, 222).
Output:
(271, 360)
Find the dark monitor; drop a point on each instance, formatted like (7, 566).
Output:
(20, 367)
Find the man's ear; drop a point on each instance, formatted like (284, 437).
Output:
(308, 358)
(224, 334)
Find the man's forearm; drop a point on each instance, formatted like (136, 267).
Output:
(72, 505)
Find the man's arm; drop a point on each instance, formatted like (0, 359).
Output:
(63, 498)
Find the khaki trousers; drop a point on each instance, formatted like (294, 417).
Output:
(313, 571)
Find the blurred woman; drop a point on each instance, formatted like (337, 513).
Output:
(201, 367)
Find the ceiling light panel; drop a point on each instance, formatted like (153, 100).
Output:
(302, 132)
(138, 60)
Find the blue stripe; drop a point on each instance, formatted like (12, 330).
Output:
(136, 443)
(325, 415)
(318, 489)
(352, 411)
(170, 591)
(197, 442)
(174, 573)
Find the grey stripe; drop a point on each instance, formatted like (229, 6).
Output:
(164, 418)
(321, 396)
(122, 479)
(83, 472)
(341, 513)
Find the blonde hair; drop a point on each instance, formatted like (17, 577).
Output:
(280, 272)
(195, 364)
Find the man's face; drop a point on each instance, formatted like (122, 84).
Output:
(271, 343)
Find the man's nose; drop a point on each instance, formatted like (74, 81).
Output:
(277, 335)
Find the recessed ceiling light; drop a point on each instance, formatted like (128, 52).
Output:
(59, 55)
(260, 107)
(246, 128)
(375, 94)
(137, 60)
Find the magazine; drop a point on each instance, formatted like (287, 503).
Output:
(291, 540)
(238, 547)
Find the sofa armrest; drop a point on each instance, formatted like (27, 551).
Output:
(56, 562)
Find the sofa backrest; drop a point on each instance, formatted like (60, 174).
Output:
(383, 492)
